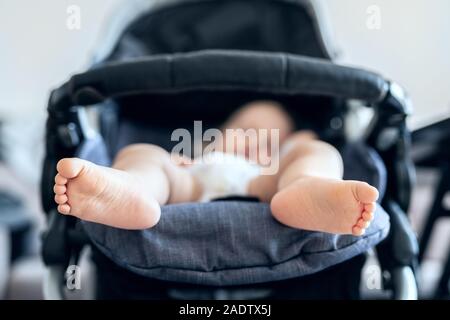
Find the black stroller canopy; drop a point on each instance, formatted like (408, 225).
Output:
(291, 26)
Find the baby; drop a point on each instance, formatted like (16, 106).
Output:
(307, 192)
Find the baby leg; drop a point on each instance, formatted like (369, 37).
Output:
(129, 194)
(264, 187)
(308, 191)
(312, 195)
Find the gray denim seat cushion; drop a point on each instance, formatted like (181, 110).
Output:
(235, 242)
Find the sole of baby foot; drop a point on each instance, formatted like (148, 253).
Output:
(103, 195)
(326, 205)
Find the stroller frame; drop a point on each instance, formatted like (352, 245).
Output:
(430, 144)
(67, 129)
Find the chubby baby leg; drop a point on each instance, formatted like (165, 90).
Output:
(126, 196)
(312, 195)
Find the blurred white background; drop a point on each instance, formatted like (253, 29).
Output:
(411, 47)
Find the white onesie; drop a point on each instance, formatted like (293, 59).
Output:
(222, 174)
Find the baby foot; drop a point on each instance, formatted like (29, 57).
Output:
(103, 195)
(327, 205)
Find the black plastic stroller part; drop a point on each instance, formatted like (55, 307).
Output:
(430, 144)
(443, 287)
(430, 150)
(390, 136)
(438, 209)
(216, 70)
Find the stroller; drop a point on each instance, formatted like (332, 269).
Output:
(430, 151)
(180, 61)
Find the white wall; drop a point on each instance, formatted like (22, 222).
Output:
(412, 47)
(38, 51)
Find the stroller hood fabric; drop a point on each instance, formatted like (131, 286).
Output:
(143, 27)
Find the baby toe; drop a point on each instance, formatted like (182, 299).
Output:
(64, 208)
(370, 207)
(363, 224)
(61, 198)
(59, 189)
(367, 215)
(364, 192)
(59, 179)
(70, 168)
(357, 231)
